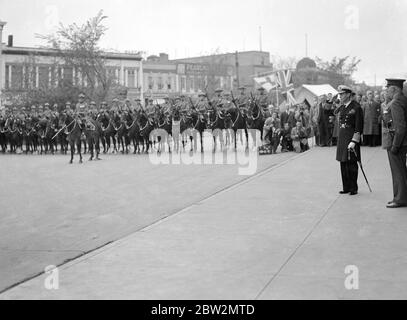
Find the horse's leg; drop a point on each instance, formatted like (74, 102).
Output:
(72, 145)
(79, 146)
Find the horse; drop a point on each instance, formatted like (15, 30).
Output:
(255, 120)
(198, 124)
(146, 126)
(121, 132)
(73, 132)
(4, 134)
(215, 122)
(133, 131)
(93, 132)
(15, 135)
(29, 135)
(107, 131)
(163, 122)
(235, 120)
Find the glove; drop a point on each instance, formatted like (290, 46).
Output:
(351, 145)
(394, 150)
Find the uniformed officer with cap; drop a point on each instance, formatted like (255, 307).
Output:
(202, 105)
(217, 100)
(348, 147)
(395, 140)
(81, 103)
(263, 101)
(242, 100)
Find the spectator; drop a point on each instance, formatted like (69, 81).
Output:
(371, 110)
(286, 141)
(325, 131)
(314, 118)
(299, 138)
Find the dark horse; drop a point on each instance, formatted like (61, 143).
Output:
(216, 122)
(163, 122)
(198, 124)
(255, 120)
(235, 120)
(73, 132)
(93, 133)
(146, 126)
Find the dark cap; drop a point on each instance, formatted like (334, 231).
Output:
(395, 82)
(261, 89)
(242, 88)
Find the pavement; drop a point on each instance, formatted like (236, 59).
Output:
(284, 233)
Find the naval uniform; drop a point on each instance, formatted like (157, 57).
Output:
(350, 129)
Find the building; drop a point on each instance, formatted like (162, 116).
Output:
(22, 68)
(172, 77)
(160, 77)
(241, 67)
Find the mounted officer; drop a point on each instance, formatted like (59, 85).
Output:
(242, 100)
(263, 102)
(348, 147)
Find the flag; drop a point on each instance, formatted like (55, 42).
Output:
(281, 80)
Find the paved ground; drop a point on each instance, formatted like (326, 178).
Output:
(52, 212)
(285, 233)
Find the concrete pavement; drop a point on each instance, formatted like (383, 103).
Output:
(285, 233)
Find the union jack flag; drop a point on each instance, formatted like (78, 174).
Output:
(282, 80)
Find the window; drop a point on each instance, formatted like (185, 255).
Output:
(131, 78)
(7, 83)
(16, 76)
(160, 83)
(43, 77)
(150, 83)
(169, 81)
(183, 84)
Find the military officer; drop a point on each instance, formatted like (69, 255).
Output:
(81, 102)
(242, 100)
(202, 105)
(167, 106)
(217, 100)
(263, 102)
(395, 140)
(138, 107)
(150, 108)
(348, 148)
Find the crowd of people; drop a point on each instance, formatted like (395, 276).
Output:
(290, 129)
(293, 127)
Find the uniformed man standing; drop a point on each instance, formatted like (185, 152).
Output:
(348, 149)
(395, 140)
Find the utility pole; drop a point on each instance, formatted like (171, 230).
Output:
(237, 69)
(261, 40)
(306, 45)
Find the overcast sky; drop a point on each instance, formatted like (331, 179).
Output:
(373, 30)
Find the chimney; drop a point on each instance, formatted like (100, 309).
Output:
(163, 57)
(10, 41)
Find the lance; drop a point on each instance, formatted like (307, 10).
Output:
(361, 169)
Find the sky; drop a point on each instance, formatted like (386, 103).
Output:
(373, 30)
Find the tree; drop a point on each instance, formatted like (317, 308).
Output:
(340, 66)
(280, 63)
(77, 46)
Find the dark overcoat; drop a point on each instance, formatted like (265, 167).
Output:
(350, 128)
